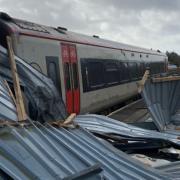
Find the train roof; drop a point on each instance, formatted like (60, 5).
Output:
(33, 29)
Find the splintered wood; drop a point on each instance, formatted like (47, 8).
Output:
(18, 94)
(67, 122)
(164, 79)
(143, 81)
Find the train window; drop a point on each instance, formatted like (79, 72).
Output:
(67, 76)
(133, 70)
(138, 68)
(95, 72)
(162, 67)
(111, 73)
(52, 64)
(142, 69)
(147, 65)
(153, 67)
(156, 68)
(84, 74)
(75, 75)
(124, 72)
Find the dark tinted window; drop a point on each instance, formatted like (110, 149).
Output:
(138, 65)
(75, 75)
(124, 72)
(95, 74)
(67, 76)
(154, 67)
(162, 67)
(52, 64)
(133, 70)
(111, 73)
(142, 69)
(52, 72)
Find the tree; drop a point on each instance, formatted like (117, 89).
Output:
(173, 58)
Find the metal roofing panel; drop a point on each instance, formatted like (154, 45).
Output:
(40, 92)
(171, 168)
(7, 107)
(46, 152)
(163, 102)
(103, 124)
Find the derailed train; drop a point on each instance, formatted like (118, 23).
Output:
(90, 73)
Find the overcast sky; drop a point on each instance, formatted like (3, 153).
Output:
(146, 23)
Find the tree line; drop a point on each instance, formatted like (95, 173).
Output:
(173, 58)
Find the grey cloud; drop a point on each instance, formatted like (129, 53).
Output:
(147, 23)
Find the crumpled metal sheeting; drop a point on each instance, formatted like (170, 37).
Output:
(43, 99)
(103, 124)
(163, 101)
(46, 152)
(7, 107)
(39, 153)
(171, 168)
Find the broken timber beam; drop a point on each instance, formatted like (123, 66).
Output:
(143, 81)
(18, 94)
(67, 122)
(164, 79)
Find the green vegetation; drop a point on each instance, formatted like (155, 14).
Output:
(173, 58)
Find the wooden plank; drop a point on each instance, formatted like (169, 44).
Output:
(10, 92)
(165, 79)
(65, 123)
(69, 119)
(143, 81)
(18, 94)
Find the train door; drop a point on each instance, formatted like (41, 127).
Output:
(69, 57)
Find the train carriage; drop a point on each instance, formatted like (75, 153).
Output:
(90, 73)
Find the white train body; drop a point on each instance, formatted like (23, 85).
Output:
(90, 73)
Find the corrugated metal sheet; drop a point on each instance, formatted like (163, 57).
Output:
(163, 102)
(45, 152)
(171, 168)
(42, 97)
(7, 108)
(102, 124)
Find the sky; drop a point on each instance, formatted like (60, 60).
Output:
(145, 23)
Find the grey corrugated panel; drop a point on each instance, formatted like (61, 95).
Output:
(103, 124)
(163, 101)
(171, 168)
(44, 101)
(7, 107)
(46, 152)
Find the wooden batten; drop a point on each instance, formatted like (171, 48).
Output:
(16, 84)
(165, 79)
(143, 80)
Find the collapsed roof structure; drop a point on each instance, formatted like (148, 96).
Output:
(35, 149)
(162, 97)
(42, 98)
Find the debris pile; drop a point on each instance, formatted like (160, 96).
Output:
(162, 97)
(42, 144)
